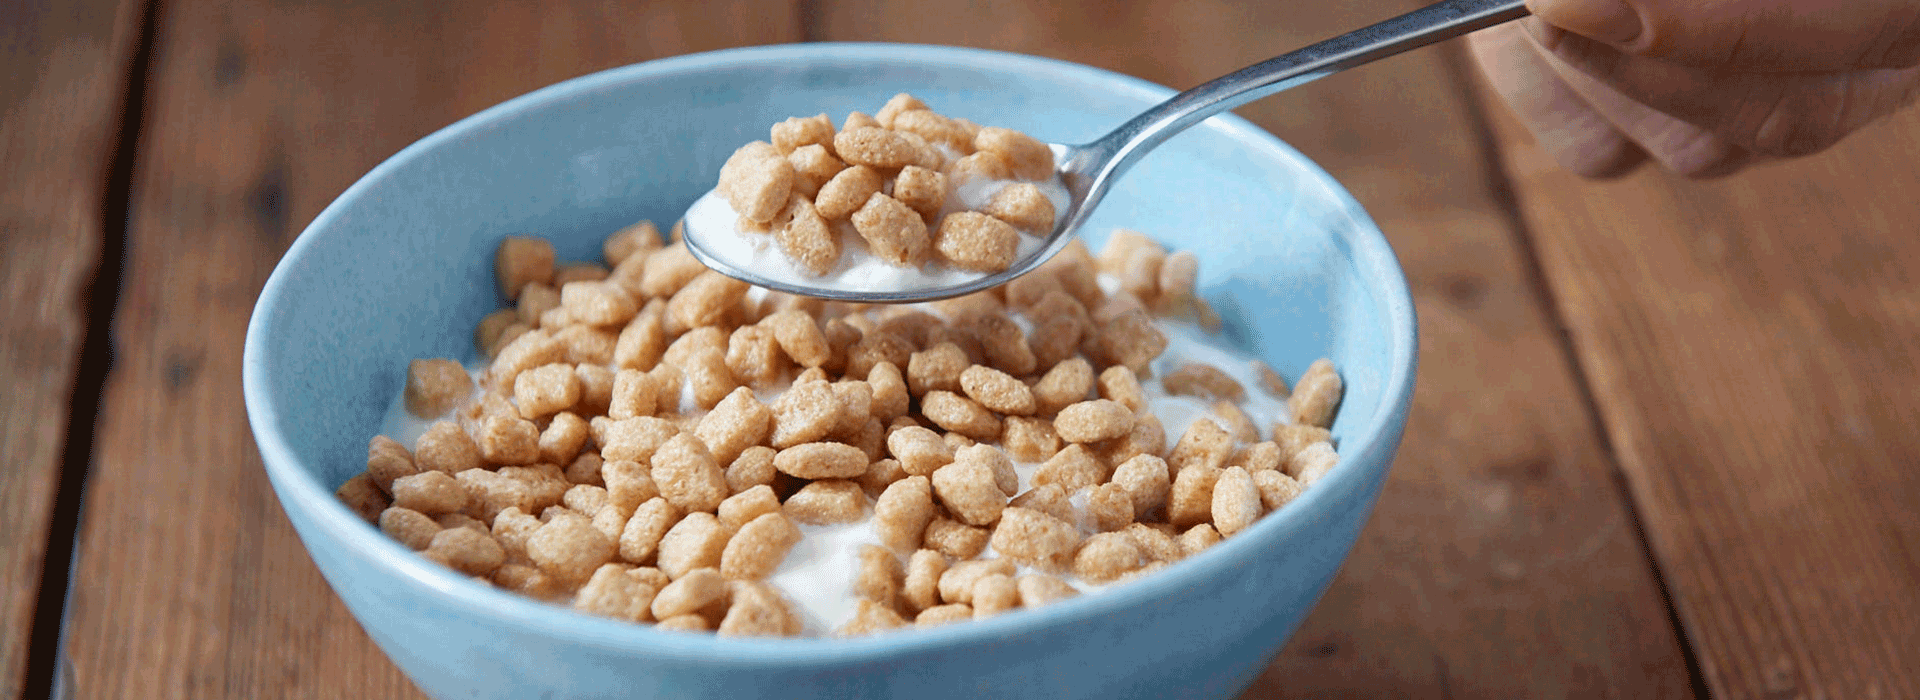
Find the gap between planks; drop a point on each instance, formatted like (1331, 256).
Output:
(1500, 184)
(47, 666)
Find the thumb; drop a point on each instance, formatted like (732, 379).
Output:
(1749, 35)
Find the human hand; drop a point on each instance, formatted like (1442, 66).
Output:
(1704, 87)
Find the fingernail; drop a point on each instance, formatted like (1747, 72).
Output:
(1610, 21)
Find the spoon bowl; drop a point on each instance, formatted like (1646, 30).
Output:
(1089, 170)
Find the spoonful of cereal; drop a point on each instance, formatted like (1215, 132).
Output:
(911, 205)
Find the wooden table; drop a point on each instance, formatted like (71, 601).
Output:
(1663, 443)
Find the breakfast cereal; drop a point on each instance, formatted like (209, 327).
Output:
(905, 198)
(656, 443)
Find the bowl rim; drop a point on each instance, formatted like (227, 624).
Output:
(1372, 444)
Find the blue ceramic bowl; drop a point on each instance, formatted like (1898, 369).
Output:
(399, 267)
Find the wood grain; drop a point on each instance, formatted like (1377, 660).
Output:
(193, 584)
(1752, 343)
(64, 72)
(1502, 560)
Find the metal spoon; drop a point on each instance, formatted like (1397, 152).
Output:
(1088, 170)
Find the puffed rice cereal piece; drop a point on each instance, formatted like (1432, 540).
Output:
(813, 166)
(1067, 383)
(1205, 444)
(411, 527)
(758, 610)
(943, 614)
(1235, 421)
(956, 585)
(894, 232)
(1110, 507)
(736, 423)
(1121, 385)
(889, 387)
(638, 238)
(1106, 557)
(1024, 207)
(696, 542)
(821, 460)
(388, 460)
(807, 412)
(969, 491)
(687, 474)
(430, 492)
(614, 592)
(1030, 159)
(960, 414)
(920, 588)
(1317, 395)
(1276, 489)
(1203, 380)
(975, 241)
(1190, 501)
(509, 440)
(446, 447)
(689, 593)
(805, 235)
(870, 617)
(1198, 538)
(1147, 480)
(641, 537)
(741, 508)
(1030, 439)
(1072, 468)
(466, 550)
(997, 390)
(1004, 475)
(994, 594)
(754, 467)
(1271, 381)
(902, 512)
(847, 191)
(1155, 541)
(879, 576)
(955, 539)
(570, 548)
(759, 546)
(1040, 589)
(435, 386)
(756, 180)
(1034, 538)
(921, 189)
(1312, 463)
(937, 368)
(826, 502)
(1236, 501)
(522, 260)
(1049, 499)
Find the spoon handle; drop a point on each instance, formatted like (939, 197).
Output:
(1437, 22)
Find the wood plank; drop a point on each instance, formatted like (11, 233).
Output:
(194, 583)
(1752, 343)
(1502, 560)
(63, 69)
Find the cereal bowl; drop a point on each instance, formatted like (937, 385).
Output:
(398, 267)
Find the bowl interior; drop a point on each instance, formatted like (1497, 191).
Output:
(400, 266)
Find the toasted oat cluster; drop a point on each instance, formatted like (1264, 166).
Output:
(892, 178)
(650, 440)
